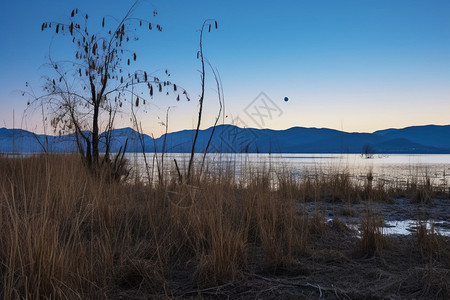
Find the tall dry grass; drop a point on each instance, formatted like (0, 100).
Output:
(66, 234)
(372, 239)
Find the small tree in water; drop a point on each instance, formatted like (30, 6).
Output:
(86, 93)
(367, 151)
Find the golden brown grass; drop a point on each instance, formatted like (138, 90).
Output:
(429, 241)
(66, 234)
(372, 237)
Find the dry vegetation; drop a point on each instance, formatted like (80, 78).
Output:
(65, 234)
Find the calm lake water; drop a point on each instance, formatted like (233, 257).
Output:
(389, 168)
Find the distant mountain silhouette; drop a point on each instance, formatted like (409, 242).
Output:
(229, 138)
(429, 135)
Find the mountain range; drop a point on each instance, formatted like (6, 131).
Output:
(428, 139)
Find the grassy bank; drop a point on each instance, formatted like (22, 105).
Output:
(66, 234)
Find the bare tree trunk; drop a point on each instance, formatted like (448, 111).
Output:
(88, 154)
(95, 136)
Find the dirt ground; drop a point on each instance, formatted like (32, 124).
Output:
(334, 267)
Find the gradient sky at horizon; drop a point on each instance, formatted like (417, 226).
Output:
(352, 65)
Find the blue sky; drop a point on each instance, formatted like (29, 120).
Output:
(352, 65)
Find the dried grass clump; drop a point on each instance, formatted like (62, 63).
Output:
(429, 241)
(333, 187)
(372, 238)
(317, 223)
(422, 193)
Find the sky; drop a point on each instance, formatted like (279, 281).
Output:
(357, 66)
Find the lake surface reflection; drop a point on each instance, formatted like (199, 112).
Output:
(392, 168)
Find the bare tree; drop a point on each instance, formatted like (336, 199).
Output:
(86, 93)
(367, 151)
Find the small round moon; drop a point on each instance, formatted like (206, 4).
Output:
(286, 99)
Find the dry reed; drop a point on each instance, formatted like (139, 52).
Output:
(66, 234)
